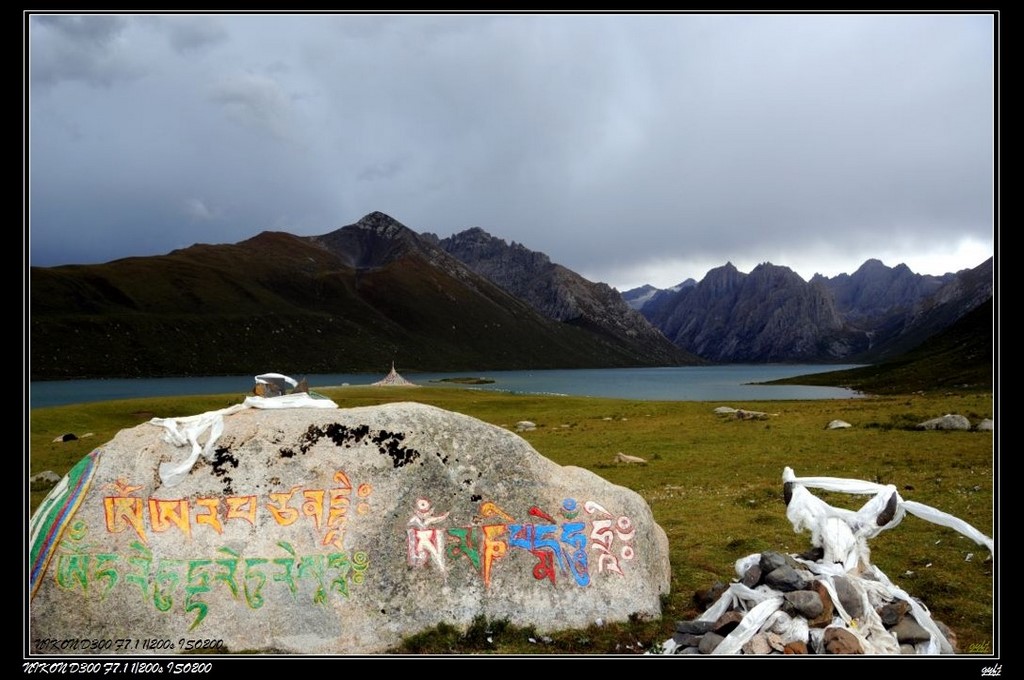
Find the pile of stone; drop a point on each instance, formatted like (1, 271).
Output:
(829, 600)
(780, 606)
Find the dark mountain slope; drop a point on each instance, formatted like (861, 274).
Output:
(875, 291)
(562, 294)
(768, 315)
(958, 358)
(351, 300)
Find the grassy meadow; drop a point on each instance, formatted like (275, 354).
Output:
(713, 482)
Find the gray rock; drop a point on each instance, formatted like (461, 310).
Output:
(697, 627)
(805, 603)
(709, 642)
(906, 648)
(525, 426)
(752, 576)
(849, 597)
(333, 531)
(785, 579)
(986, 425)
(827, 608)
(910, 631)
(950, 421)
(893, 612)
(838, 425)
(44, 477)
(771, 560)
(687, 639)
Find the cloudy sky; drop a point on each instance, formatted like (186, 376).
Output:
(632, 149)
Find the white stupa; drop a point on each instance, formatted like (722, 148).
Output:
(393, 379)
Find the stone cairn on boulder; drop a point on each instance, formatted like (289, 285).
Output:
(828, 600)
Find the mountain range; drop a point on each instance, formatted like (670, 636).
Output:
(354, 299)
(559, 293)
(773, 315)
(375, 291)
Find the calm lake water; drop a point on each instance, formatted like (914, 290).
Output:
(691, 383)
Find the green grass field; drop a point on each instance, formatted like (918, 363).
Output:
(713, 483)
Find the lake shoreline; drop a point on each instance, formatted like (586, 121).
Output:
(689, 383)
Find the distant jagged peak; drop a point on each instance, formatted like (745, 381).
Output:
(382, 223)
(876, 267)
(476, 238)
(688, 283)
(640, 290)
(768, 266)
(721, 279)
(480, 235)
(902, 268)
(727, 270)
(477, 244)
(774, 273)
(871, 264)
(476, 233)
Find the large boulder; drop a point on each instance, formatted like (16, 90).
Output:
(950, 421)
(323, 531)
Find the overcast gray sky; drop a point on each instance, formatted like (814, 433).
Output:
(631, 149)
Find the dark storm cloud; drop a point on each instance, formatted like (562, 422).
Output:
(629, 148)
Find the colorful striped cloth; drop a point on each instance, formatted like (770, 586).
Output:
(54, 515)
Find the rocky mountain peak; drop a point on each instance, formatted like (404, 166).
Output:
(475, 244)
(722, 279)
(374, 241)
(772, 274)
(871, 265)
(476, 234)
(382, 224)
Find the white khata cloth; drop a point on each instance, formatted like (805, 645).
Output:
(189, 430)
(842, 536)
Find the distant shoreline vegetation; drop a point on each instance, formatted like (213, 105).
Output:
(466, 381)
